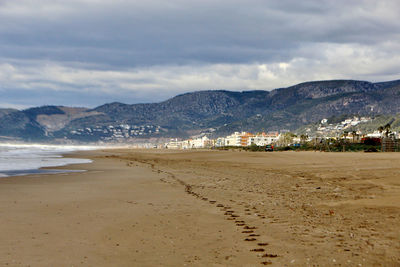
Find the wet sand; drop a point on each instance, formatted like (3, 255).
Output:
(206, 208)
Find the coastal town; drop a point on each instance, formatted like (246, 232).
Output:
(343, 130)
(351, 129)
(116, 132)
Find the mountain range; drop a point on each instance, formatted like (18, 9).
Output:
(214, 112)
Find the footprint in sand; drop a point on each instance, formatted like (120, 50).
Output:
(247, 232)
(262, 244)
(269, 255)
(266, 263)
(250, 239)
(257, 250)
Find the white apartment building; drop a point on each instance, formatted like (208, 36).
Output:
(233, 140)
(220, 142)
(185, 144)
(263, 139)
(173, 144)
(375, 134)
(201, 142)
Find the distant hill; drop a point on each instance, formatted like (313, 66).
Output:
(17, 124)
(214, 112)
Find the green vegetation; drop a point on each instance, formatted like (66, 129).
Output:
(333, 147)
(253, 148)
(378, 121)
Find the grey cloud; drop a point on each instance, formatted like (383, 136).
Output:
(150, 50)
(180, 32)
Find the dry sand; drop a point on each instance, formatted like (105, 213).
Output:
(206, 208)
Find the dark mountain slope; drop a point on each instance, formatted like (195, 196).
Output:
(19, 125)
(44, 110)
(225, 111)
(204, 107)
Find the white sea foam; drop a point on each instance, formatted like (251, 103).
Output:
(24, 157)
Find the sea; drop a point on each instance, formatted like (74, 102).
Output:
(25, 159)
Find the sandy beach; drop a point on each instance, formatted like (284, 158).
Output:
(206, 208)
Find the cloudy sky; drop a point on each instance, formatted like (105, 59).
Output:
(89, 52)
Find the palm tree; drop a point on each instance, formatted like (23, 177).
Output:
(344, 135)
(288, 138)
(303, 138)
(387, 129)
(353, 134)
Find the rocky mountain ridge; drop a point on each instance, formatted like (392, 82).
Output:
(212, 112)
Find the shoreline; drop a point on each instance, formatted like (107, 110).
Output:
(116, 214)
(32, 159)
(205, 208)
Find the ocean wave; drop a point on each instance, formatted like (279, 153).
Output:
(20, 157)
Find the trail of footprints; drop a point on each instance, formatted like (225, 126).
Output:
(232, 216)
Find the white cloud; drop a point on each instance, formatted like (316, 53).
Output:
(155, 49)
(333, 61)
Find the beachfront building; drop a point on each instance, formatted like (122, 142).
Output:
(238, 139)
(220, 142)
(375, 134)
(234, 139)
(271, 137)
(173, 144)
(185, 144)
(201, 142)
(263, 139)
(296, 140)
(245, 138)
(242, 139)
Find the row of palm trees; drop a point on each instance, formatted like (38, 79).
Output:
(385, 130)
(354, 135)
